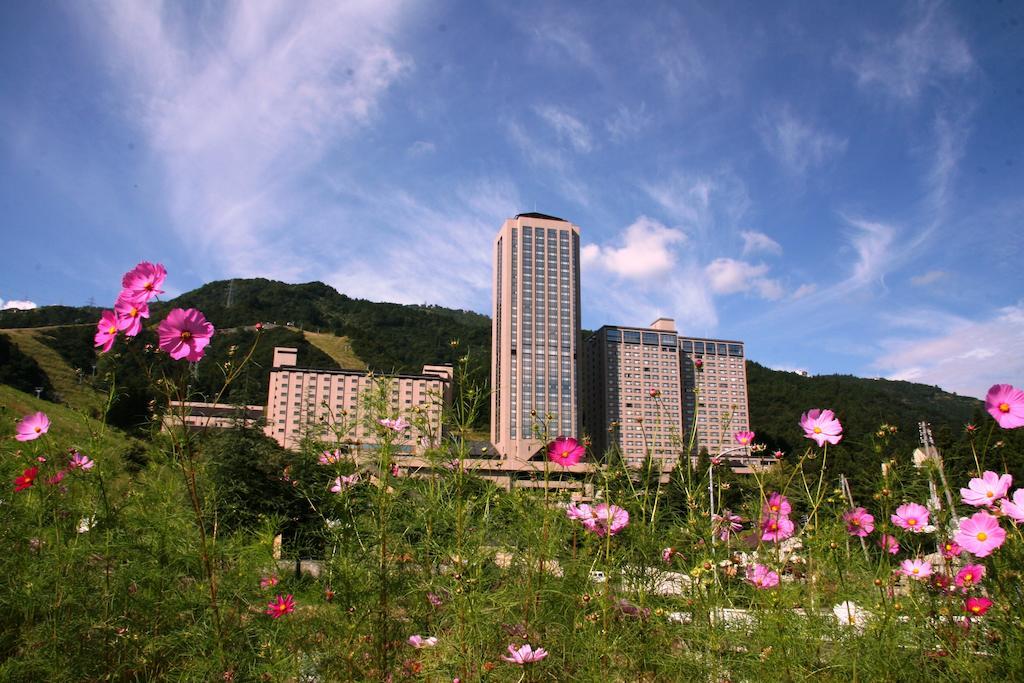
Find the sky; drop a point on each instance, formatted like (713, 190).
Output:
(840, 186)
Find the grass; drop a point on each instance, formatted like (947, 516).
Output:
(338, 348)
(63, 377)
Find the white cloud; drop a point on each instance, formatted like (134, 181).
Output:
(798, 145)
(803, 290)
(730, 276)
(19, 304)
(961, 355)
(422, 148)
(756, 242)
(929, 50)
(626, 123)
(931, 277)
(873, 244)
(239, 116)
(645, 252)
(567, 127)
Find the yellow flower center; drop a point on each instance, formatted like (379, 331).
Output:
(855, 522)
(186, 335)
(1004, 407)
(817, 430)
(134, 312)
(989, 494)
(975, 608)
(148, 286)
(774, 508)
(916, 570)
(982, 536)
(112, 329)
(911, 522)
(39, 430)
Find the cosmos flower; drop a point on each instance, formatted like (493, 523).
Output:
(859, 522)
(666, 555)
(911, 516)
(27, 478)
(142, 282)
(1006, 404)
(822, 426)
(565, 451)
(80, 462)
(578, 512)
(606, 519)
(280, 606)
(970, 575)
(330, 458)
(185, 334)
(980, 534)
(744, 438)
(726, 524)
(418, 641)
(32, 427)
(1014, 509)
(762, 577)
(778, 504)
(950, 549)
(984, 491)
(916, 569)
(977, 606)
(341, 483)
(129, 315)
(57, 478)
(776, 528)
(524, 654)
(850, 614)
(889, 544)
(269, 581)
(397, 424)
(106, 331)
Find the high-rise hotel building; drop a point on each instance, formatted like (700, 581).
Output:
(536, 330)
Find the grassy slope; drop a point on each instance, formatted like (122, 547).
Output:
(338, 348)
(66, 425)
(62, 376)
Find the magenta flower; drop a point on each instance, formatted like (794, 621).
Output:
(980, 534)
(606, 519)
(762, 577)
(911, 516)
(419, 642)
(916, 569)
(80, 462)
(822, 426)
(525, 654)
(1006, 404)
(666, 554)
(57, 478)
(726, 524)
(776, 528)
(27, 478)
(578, 512)
(778, 455)
(565, 451)
(129, 315)
(397, 424)
(32, 427)
(434, 599)
(951, 550)
(977, 606)
(744, 438)
(269, 581)
(280, 606)
(341, 483)
(1014, 509)
(329, 458)
(889, 544)
(970, 575)
(142, 282)
(106, 331)
(185, 334)
(778, 504)
(859, 522)
(986, 490)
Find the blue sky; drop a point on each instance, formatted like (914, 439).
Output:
(840, 186)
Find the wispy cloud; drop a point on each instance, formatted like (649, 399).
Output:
(962, 355)
(928, 50)
(803, 290)
(549, 158)
(422, 148)
(931, 277)
(626, 123)
(755, 242)
(731, 276)
(646, 251)
(872, 242)
(567, 127)
(797, 144)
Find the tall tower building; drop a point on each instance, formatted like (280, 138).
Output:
(535, 334)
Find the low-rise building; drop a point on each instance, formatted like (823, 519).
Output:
(198, 415)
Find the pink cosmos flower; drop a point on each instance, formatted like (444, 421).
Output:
(1014, 509)
(726, 524)
(666, 555)
(106, 331)
(980, 534)
(950, 550)
(776, 528)
(565, 451)
(970, 575)
(57, 478)
(578, 512)
(341, 483)
(27, 478)
(911, 516)
(778, 504)
(129, 315)
(31, 427)
(280, 606)
(269, 581)
(329, 458)
(977, 606)
(986, 490)
(762, 577)
(80, 462)
(822, 426)
(744, 438)
(142, 282)
(418, 641)
(525, 654)
(606, 519)
(434, 599)
(394, 469)
(1006, 404)
(889, 544)
(916, 569)
(185, 334)
(397, 424)
(859, 522)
